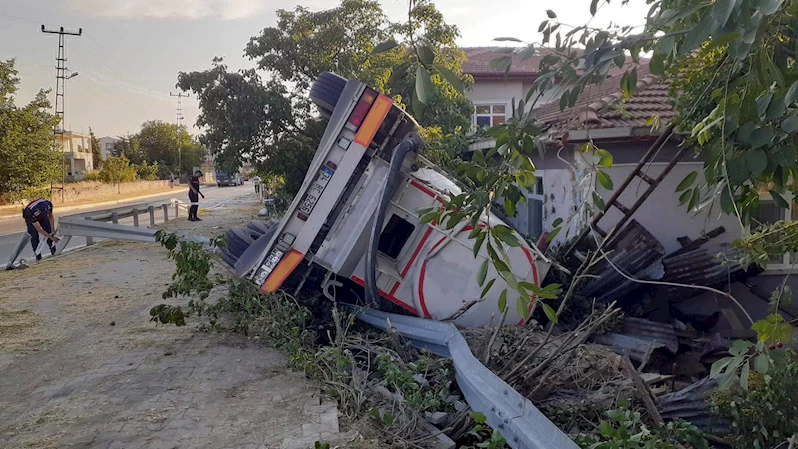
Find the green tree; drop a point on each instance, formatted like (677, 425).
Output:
(129, 147)
(167, 145)
(118, 169)
(27, 147)
(96, 151)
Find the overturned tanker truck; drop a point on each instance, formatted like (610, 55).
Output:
(354, 224)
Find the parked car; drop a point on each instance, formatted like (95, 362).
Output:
(223, 179)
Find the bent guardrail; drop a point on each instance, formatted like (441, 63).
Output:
(519, 421)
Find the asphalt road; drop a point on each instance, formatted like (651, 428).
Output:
(12, 229)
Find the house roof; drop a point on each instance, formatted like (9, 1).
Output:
(478, 59)
(603, 106)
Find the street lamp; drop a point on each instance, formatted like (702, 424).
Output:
(72, 75)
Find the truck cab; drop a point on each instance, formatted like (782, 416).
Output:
(420, 268)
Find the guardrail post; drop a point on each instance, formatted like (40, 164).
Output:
(135, 217)
(151, 209)
(18, 249)
(114, 217)
(89, 240)
(165, 212)
(60, 246)
(177, 210)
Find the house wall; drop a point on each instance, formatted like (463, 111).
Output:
(104, 150)
(498, 92)
(661, 213)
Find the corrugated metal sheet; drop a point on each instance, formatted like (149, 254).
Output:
(691, 405)
(635, 347)
(634, 250)
(653, 331)
(703, 266)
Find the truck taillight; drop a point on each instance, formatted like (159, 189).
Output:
(362, 108)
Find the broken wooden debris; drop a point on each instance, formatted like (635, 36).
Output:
(642, 390)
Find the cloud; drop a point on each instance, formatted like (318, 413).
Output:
(168, 9)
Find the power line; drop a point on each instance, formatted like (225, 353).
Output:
(110, 54)
(18, 18)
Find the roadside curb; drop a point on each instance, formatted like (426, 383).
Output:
(16, 208)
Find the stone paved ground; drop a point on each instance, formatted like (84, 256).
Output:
(81, 366)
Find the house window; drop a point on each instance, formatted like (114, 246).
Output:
(535, 208)
(769, 213)
(395, 235)
(489, 115)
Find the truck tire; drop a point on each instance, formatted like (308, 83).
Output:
(238, 239)
(327, 90)
(241, 237)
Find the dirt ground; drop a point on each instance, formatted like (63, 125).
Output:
(81, 366)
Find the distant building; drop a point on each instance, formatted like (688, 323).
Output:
(107, 146)
(77, 153)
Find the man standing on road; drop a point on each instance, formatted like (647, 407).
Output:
(193, 196)
(39, 218)
(256, 182)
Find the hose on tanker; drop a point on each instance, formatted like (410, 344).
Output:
(411, 142)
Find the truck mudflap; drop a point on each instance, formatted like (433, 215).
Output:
(518, 420)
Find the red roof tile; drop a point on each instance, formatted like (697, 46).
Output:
(603, 106)
(478, 59)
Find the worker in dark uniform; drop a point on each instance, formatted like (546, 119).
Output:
(39, 218)
(193, 196)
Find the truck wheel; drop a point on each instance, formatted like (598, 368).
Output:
(241, 237)
(238, 239)
(326, 90)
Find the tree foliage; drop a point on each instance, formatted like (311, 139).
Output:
(167, 146)
(96, 151)
(162, 145)
(27, 147)
(118, 169)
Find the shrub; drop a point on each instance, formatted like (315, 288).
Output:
(117, 170)
(147, 172)
(623, 429)
(94, 176)
(766, 415)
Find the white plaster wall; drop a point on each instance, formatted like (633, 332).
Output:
(496, 92)
(661, 213)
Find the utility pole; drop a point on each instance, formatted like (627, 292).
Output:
(60, 80)
(179, 122)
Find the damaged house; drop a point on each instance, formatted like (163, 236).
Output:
(659, 241)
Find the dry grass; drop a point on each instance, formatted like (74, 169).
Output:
(18, 331)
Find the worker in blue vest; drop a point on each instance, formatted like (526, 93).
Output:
(39, 218)
(193, 196)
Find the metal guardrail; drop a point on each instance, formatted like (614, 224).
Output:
(104, 225)
(518, 420)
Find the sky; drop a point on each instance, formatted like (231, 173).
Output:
(130, 51)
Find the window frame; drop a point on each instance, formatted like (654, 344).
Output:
(785, 264)
(537, 194)
(491, 115)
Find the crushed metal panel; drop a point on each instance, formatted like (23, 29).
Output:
(653, 331)
(691, 404)
(703, 266)
(638, 349)
(633, 250)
